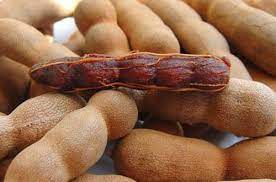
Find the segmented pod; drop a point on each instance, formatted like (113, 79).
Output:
(142, 70)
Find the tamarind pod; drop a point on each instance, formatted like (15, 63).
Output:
(32, 119)
(76, 43)
(77, 141)
(252, 159)
(37, 89)
(102, 178)
(148, 155)
(195, 35)
(173, 128)
(176, 72)
(97, 21)
(151, 156)
(201, 6)
(245, 108)
(27, 45)
(266, 5)
(144, 29)
(252, 34)
(39, 13)
(48, 32)
(14, 84)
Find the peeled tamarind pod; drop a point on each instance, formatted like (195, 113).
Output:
(245, 108)
(102, 178)
(195, 35)
(144, 29)
(38, 13)
(251, 31)
(173, 128)
(32, 119)
(142, 70)
(76, 43)
(149, 156)
(266, 5)
(27, 45)
(97, 21)
(14, 84)
(77, 141)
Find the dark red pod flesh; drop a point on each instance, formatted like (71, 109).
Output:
(142, 70)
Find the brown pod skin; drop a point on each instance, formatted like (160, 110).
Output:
(97, 21)
(77, 142)
(37, 89)
(175, 72)
(151, 156)
(76, 43)
(39, 13)
(144, 29)
(245, 108)
(102, 178)
(27, 45)
(252, 159)
(195, 35)
(251, 31)
(148, 155)
(14, 84)
(268, 6)
(32, 119)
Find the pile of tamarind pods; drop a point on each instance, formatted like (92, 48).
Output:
(167, 64)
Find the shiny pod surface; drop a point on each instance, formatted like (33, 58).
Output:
(142, 70)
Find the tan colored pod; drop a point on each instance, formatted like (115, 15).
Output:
(251, 31)
(195, 35)
(266, 5)
(149, 156)
(14, 84)
(39, 13)
(32, 119)
(76, 43)
(245, 108)
(27, 45)
(77, 141)
(102, 178)
(252, 159)
(144, 29)
(97, 21)
(37, 89)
